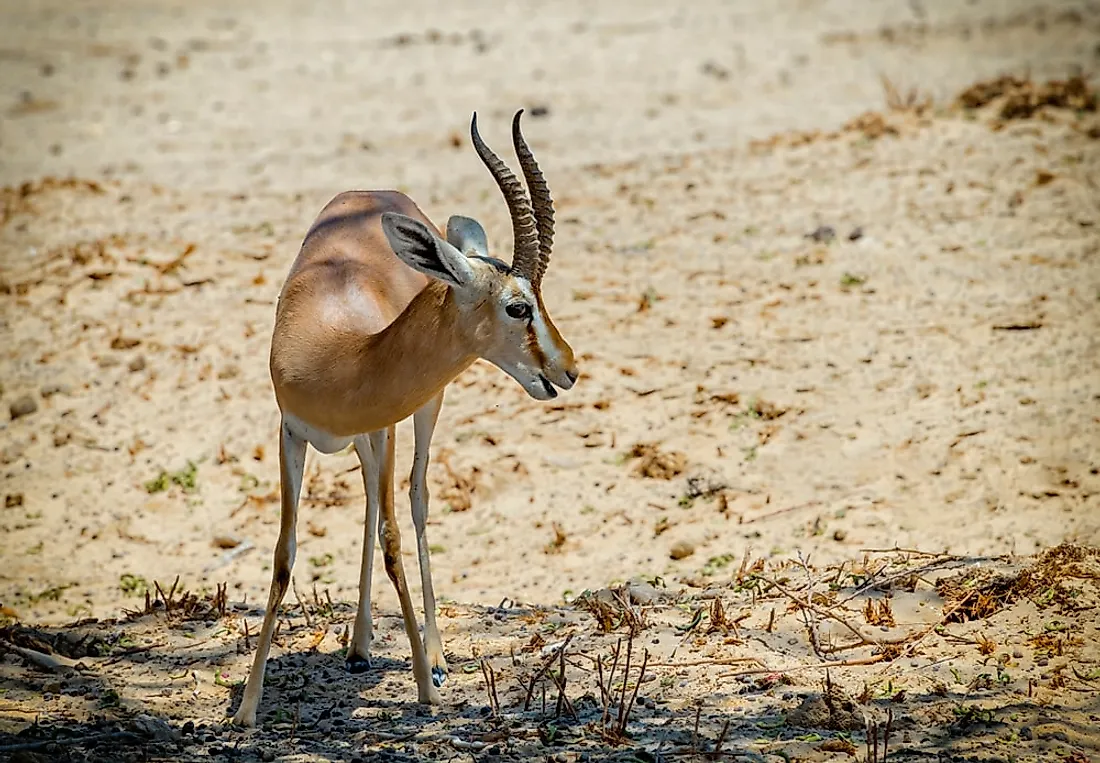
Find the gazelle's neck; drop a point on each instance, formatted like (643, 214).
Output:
(409, 362)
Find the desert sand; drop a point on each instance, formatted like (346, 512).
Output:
(827, 302)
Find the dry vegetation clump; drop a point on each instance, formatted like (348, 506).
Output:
(1021, 98)
(977, 594)
(654, 463)
(75, 642)
(616, 607)
(182, 604)
(458, 492)
(15, 200)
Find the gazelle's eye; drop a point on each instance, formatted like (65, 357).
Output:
(521, 311)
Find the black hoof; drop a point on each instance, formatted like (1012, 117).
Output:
(357, 664)
(438, 676)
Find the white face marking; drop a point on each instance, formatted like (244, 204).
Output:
(538, 323)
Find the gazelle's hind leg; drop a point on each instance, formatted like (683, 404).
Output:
(423, 426)
(358, 658)
(390, 537)
(292, 460)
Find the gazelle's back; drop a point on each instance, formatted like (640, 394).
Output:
(346, 270)
(345, 283)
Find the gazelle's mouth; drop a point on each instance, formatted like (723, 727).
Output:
(551, 393)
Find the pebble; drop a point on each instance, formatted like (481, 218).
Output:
(54, 388)
(823, 234)
(22, 406)
(681, 550)
(137, 364)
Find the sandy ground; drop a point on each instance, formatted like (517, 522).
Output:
(929, 378)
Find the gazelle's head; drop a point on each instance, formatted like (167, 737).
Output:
(501, 305)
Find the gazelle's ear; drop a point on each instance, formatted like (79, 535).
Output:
(421, 249)
(467, 235)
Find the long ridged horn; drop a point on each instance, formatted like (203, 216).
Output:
(525, 256)
(541, 201)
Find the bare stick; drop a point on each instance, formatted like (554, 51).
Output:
(626, 679)
(634, 695)
(541, 672)
(301, 606)
(825, 665)
(721, 738)
(886, 732)
(695, 728)
(27, 746)
(695, 663)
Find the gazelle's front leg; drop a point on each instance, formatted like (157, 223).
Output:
(358, 658)
(390, 536)
(292, 461)
(423, 427)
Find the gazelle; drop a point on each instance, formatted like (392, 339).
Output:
(378, 314)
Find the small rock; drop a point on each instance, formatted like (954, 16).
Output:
(54, 388)
(53, 687)
(839, 535)
(856, 234)
(1026, 733)
(681, 550)
(154, 728)
(822, 234)
(643, 593)
(267, 756)
(1016, 653)
(23, 406)
(137, 364)
(189, 728)
(539, 111)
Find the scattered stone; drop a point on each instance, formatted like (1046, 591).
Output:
(681, 550)
(55, 388)
(12, 452)
(839, 535)
(23, 406)
(643, 593)
(153, 728)
(856, 234)
(822, 234)
(833, 710)
(137, 364)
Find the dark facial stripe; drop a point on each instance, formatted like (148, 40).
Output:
(533, 346)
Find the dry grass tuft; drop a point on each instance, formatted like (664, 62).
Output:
(458, 491)
(879, 613)
(654, 463)
(612, 608)
(977, 594)
(1021, 98)
(908, 101)
(180, 604)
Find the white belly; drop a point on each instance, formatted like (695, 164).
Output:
(322, 441)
